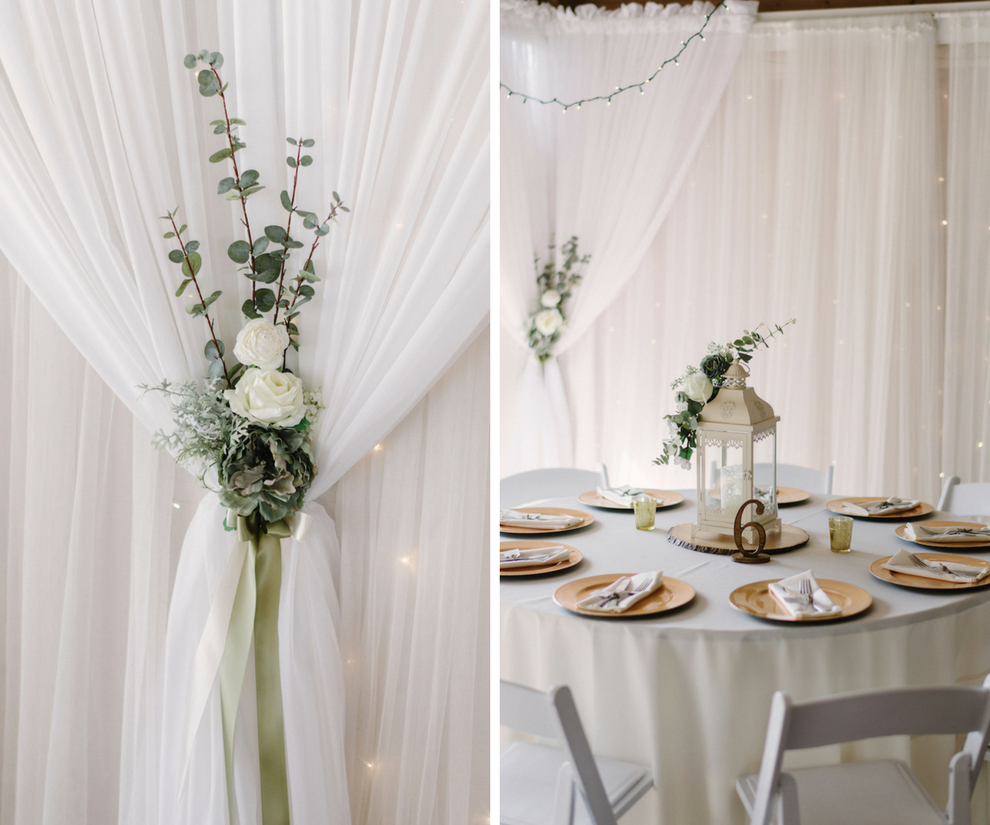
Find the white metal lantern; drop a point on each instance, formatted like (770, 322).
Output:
(737, 431)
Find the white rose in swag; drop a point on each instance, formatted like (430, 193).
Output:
(698, 387)
(549, 321)
(550, 298)
(268, 397)
(261, 344)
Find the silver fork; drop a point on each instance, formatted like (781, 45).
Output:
(934, 565)
(804, 588)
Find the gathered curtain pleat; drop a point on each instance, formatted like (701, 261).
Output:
(605, 173)
(103, 130)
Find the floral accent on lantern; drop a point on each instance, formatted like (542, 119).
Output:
(547, 320)
(701, 385)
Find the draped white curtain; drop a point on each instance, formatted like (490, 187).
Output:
(607, 174)
(102, 130)
(820, 193)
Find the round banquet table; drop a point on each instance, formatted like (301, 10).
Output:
(688, 692)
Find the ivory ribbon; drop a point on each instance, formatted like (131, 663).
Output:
(246, 604)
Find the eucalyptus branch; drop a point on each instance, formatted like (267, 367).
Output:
(234, 146)
(191, 275)
(288, 227)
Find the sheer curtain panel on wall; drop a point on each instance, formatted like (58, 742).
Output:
(605, 173)
(102, 130)
(820, 194)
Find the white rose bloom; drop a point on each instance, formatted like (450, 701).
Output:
(698, 387)
(268, 397)
(549, 321)
(550, 298)
(261, 344)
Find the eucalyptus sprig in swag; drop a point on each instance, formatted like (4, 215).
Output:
(547, 319)
(251, 418)
(699, 385)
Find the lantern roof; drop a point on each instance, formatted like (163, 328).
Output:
(735, 403)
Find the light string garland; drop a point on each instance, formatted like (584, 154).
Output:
(618, 89)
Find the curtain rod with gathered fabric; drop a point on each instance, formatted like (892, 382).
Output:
(936, 9)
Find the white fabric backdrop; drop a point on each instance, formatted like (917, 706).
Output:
(606, 174)
(819, 193)
(98, 113)
(79, 697)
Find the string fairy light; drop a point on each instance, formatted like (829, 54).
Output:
(510, 93)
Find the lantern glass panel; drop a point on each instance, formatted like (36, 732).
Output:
(764, 471)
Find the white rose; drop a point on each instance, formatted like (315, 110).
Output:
(698, 387)
(261, 344)
(549, 321)
(268, 397)
(550, 298)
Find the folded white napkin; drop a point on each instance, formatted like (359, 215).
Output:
(788, 593)
(623, 593)
(877, 508)
(538, 521)
(949, 571)
(620, 495)
(946, 534)
(531, 557)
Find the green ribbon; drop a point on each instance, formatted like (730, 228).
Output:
(255, 612)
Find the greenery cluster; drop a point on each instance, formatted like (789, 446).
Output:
(276, 286)
(547, 319)
(683, 424)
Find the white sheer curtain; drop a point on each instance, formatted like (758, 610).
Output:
(98, 114)
(966, 394)
(607, 174)
(820, 194)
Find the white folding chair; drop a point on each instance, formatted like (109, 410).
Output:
(972, 499)
(554, 482)
(542, 784)
(790, 475)
(876, 792)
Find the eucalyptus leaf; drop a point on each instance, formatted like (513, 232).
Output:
(265, 276)
(323, 230)
(311, 221)
(205, 54)
(248, 309)
(236, 121)
(249, 177)
(182, 287)
(189, 61)
(207, 91)
(212, 299)
(216, 60)
(225, 185)
(292, 141)
(182, 229)
(219, 130)
(260, 245)
(251, 190)
(291, 161)
(195, 309)
(215, 369)
(232, 195)
(175, 256)
(211, 351)
(269, 262)
(336, 197)
(286, 201)
(306, 160)
(219, 122)
(307, 290)
(275, 233)
(192, 246)
(169, 235)
(344, 209)
(291, 244)
(223, 154)
(195, 261)
(309, 142)
(239, 252)
(206, 78)
(264, 300)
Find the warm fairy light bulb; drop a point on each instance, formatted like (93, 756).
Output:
(176, 505)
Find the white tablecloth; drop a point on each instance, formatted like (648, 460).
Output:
(689, 692)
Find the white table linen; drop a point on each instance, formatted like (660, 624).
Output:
(689, 692)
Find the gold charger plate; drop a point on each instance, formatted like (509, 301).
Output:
(665, 498)
(923, 583)
(587, 519)
(563, 564)
(923, 508)
(785, 495)
(954, 545)
(756, 599)
(672, 593)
